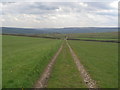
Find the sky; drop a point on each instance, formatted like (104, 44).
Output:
(58, 14)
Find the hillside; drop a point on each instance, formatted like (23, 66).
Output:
(9, 30)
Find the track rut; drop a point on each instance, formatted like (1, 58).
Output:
(42, 81)
(90, 83)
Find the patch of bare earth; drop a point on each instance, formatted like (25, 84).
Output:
(86, 77)
(42, 81)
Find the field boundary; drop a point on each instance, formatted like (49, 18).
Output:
(42, 81)
(32, 36)
(90, 83)
(60, 38)
(95, 40)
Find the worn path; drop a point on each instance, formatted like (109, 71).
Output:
(86, 77)
(42, 81)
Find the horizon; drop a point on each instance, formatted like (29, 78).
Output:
(60, 27)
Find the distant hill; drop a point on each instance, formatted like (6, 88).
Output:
(9, 30)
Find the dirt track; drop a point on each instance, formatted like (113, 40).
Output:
(42, 81)
(86, 77)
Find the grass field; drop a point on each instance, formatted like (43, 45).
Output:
(24, 59)
(108, 35)
(103, 39)
(54, 35)
(65, 73)
(100, 60)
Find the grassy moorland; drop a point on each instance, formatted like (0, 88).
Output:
(100, 60)
(24, 59)
(102, 39)
(106, 36)
(53, 35)
(65, 73)
(98, 36)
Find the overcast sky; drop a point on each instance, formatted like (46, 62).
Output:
(59, 14)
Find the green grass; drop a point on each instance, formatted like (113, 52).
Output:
(54, 35)
(106, 35)
(100, 60)
(98, 39)
(24, 59)
(65, 73)
(91, 36)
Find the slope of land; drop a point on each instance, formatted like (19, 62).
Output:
(105, 35)
(100, 60)
(90, 83)
(42, 81)
(98, 37)
(33, 31)
(24, 59)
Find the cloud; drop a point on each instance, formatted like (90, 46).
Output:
(57, 0)
(27, 8)
(62, 14)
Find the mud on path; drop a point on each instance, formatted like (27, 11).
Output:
(84, 74)
(42, 81)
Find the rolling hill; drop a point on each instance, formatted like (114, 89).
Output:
(11, 30)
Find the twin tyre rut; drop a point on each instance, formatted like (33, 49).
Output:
(42, 81)
(86, 77)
